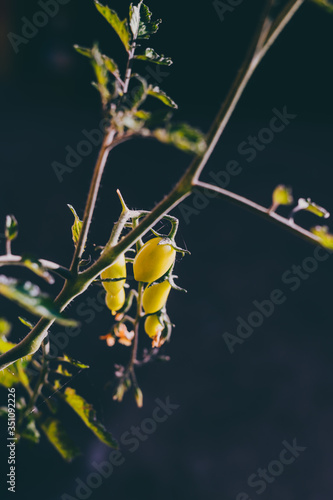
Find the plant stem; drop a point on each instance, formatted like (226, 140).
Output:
(80, 281)
(258, 209)
(91, 201)
(253, 58)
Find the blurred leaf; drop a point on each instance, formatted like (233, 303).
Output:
(326, 238)
(317, 210)
(147, 27)
(109, 63)
(25, 322)
(120, 27)
(138, 397)
(11, 230)
(62, 371)
(5, 327)
(159, 118)
(77, 226)
(73, 362)
(111, 66)
(36, 267)
(326, 4)
(310, 206)
(88, 415)
(101, 73)
(282, 195)
(15, 373)
(31, 298)
(30, 432)
(135, 19)
(3, 411)
(84, 51)
(59, 438)
(183, 137)
(151, 56)
(137, 92)
(159, 94)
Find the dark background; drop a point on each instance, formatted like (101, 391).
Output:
(235, 410)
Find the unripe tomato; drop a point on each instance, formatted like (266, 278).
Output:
(116, 270)
(153, 326)
(115, 302)
(153, 261)
(155, 296)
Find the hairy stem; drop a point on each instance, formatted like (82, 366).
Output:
(80, 281)
(92, 197)
(257, 209)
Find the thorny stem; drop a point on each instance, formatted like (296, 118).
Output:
(80, 281)
(92, 197)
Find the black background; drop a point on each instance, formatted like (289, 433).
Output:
(234, 410)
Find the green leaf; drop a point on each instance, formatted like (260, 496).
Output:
(31, 298)
(74, 362)
(326, 4)
(59, 438)
(147, 27)
(109, 63)
(25, 322)
(5, 327)
(111, 66)
(84, 51)
(120, 27)
(77, 226)
(151, 56)
(11, 230)
(310, 206)
(62, 371)
(325, 237)
(8, 377)
(183, 137)
(282, 195)
(30, 432)
(15, 374)
(88, 415)
(101, 73)
(162, 96)
(137, 92)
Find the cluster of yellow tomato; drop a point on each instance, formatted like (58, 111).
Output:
(152, 262)
(115, 292)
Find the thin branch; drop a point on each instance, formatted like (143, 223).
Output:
(183, 189)
(258, 209)
(251, 62)
(92, 197)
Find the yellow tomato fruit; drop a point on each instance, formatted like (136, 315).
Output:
(116, 270)
(153, 326)
(115, 302)
(153, 261)
(155, 296)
